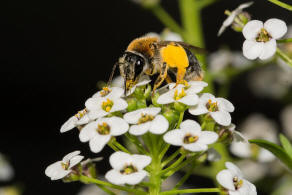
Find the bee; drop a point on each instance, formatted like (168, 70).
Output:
(150, 56)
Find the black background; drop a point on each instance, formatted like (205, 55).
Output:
(53, 54)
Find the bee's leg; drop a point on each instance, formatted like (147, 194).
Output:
(168, 79)
(180, 76)
(161, 77)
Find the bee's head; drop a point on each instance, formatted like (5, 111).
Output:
(131, 68)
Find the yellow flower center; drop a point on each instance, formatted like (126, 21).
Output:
(212, 106)
(105, 91)
(66, 165)
(103, 129)
(263, 36)
(107, 105)
(128, 169)
(237, 183)
(188, 139)
(145, 118)
(80, 114)
(180, 95)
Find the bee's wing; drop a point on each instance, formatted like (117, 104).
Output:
(183, 44)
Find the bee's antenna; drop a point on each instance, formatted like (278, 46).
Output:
(112, 74)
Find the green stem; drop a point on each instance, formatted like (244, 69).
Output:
(110, 144)
(175, 164)
(185, 177)
(284, 57)
(281, 4)
(181, 117)
(289, 40)
(205, 3)
(86, 179)
(137, 143)
(106, 190)
(119, 146)
(170, 158)
(166, 19)
(165, 149)
(199, 190)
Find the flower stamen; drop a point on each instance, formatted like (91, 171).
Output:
(212, 106)
(128, 169)
(237, 183)
(188, 139)
(66, 165)
(105, 91)
(145, 118)
(80, 114)
(103, 129)
(107, 105)
(263, 36)
(180, 95)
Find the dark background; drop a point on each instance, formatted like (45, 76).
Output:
(53, 54)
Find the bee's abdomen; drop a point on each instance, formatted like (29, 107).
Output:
(194, 71)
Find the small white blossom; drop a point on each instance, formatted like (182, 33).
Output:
(261, 38)
(229, 20)
(127, 169)
(146, 119)
(218, 108)
(168, 35)
(100, 106)
(78, 119)
(182, 93)
(99, 132)
(255, 127)
(190, 136)
(109, 92)
(61, 169)
(232, 180)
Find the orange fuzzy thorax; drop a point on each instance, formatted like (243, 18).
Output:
(143, 45)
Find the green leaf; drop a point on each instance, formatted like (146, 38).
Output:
(286, 145)
(277, 150)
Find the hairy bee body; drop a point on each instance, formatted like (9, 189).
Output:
(149, 55)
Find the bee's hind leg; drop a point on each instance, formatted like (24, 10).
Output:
(162, 76)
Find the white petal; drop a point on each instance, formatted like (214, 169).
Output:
(190, 100)
(208, 137)
(276, 28)
(118, 126)
(238, 137)
(269, 49)
(70, 155)
(244, 5)
(135, 178)
(55, 171)
(225, 104)
(197, 86)
(141, 161)
(265, 156)
(94, 103)
(94, 114)
(119, 104)
(144, 82)
(207, 96)
(88, 131)
(233, 168)
(69, 124)
(166, 98)
(115, 177)
(98, 142)
(251, 29)
(198, 109)
(191, 126)
(116, 92)
(225, 179)
(140, 129)
(221, 117)
(84, 120)
(119, 159)
(75, 160)
(174, 137)
(133, 117)
(240, 149)
(159, 125)
(195, 147)
(252, 49)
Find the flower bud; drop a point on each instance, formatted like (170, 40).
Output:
(171, 115)
(240, 21)
(154, 98)
(132, 104)
(179, 107)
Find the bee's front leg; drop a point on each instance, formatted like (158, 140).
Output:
(161, 77)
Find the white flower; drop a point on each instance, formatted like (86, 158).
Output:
(183, 94)
(99, 132)
(146, 119)
(144, 80)
(255, 127)
(99, 106)
(61, 169)
(218, 108)
(127, 169)
(109, 92)
(78, 119)
(261, 38)
(236, 135)
(6, 170)
(190, 136)
(229, 20)
(232, 180)
(168, 35)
